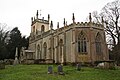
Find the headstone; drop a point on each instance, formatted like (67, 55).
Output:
(50, 71)
(60, 70)
(78, 67)
(101, 65)
(8, 61)
(2, 65)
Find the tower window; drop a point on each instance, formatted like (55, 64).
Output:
(33, 28)
(42, 28)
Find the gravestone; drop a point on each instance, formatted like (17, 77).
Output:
(101, 65)
(2, 65)
(78, 67)
(60, 70)
(50, 71)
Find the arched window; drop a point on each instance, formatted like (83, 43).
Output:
(33, 28)
(61, 49)
(42, 28)
(45, 49)
(61, 42)
(38, 52)
(82, 43)
(98, 43)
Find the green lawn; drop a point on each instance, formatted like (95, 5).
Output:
(39, 72)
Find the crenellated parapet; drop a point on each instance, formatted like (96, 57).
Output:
(81, 25)
(89, 24)
(40, 20)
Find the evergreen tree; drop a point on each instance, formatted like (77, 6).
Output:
(3, 42)
(14, 41)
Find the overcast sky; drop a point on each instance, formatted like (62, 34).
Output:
(18, 13)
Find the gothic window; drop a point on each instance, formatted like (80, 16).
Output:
(42, 28)
(82, 43)
(61, 49)
(98, 43)
(33, 28)
(38, 51)
(61, 42)
(45, 50)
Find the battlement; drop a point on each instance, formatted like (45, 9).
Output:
(37, 19)
(40, 20)
(81, 24)
(88, 24)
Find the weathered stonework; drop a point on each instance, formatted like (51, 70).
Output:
(61, 44)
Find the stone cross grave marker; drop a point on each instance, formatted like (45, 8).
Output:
(16, 57)
(50, 71)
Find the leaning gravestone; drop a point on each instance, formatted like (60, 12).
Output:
(78, 67)
(60, 70)
(50, 71)
(2, 65)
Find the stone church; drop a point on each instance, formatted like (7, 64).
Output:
(77, 42)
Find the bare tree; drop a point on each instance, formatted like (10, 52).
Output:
(96, 17)
(111, 13)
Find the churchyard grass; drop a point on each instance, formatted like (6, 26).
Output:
(39, 72)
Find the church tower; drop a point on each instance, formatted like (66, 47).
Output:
(39, 24)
